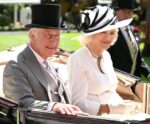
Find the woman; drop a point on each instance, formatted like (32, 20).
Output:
(92, 78)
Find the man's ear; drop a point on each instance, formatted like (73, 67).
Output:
(32, 34)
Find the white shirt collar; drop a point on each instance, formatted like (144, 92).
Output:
(39, 58)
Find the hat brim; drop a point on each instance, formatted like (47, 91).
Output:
(109, 27)
(133, 9)
(43, 26)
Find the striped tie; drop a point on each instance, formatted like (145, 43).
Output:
(60, 91)
(51, 70)
(132, 42)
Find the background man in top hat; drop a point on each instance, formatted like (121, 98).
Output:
(31, 80)
(126, 54)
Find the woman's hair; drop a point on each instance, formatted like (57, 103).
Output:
(89, 38)
(85, 39)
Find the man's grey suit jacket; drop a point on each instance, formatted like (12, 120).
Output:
(25, 83)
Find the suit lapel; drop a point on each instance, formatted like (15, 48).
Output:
(32, 63)
(66, 93)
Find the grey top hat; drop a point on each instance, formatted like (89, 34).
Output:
(45, 16)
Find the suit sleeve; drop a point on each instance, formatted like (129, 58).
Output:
(142, 66)
(16, 86)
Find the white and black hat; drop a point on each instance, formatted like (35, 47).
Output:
(99, 19)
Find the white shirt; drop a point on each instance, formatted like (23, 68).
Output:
(90, 87)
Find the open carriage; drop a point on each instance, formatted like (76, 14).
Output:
(27, 116)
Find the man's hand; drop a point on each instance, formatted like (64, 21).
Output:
(66, 109)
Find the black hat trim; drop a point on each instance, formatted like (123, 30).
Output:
(43, 26)
(94, 19)
(112, 21)
(95, 23)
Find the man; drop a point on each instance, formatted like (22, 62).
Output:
(126, 54)
(31, 80)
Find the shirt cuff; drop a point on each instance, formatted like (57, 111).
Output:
(50, 106)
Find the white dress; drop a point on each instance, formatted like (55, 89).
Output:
(89, 87)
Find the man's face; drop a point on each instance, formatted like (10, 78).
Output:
(123, 14)
(44, 41)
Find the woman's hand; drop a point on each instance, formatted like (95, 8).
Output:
(128, 107)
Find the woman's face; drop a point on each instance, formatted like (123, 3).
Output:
(104, 40)
(44, 41)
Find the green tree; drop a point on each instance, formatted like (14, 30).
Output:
(4, 21)
(147, 30)
(6, 15)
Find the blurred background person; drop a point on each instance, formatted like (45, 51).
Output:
(126, 54)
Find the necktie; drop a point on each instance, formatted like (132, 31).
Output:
(98, 64)
(56, 88)
(132, 43)
(51, 70)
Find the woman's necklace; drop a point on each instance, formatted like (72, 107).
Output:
(98, 64)
(98, 59)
